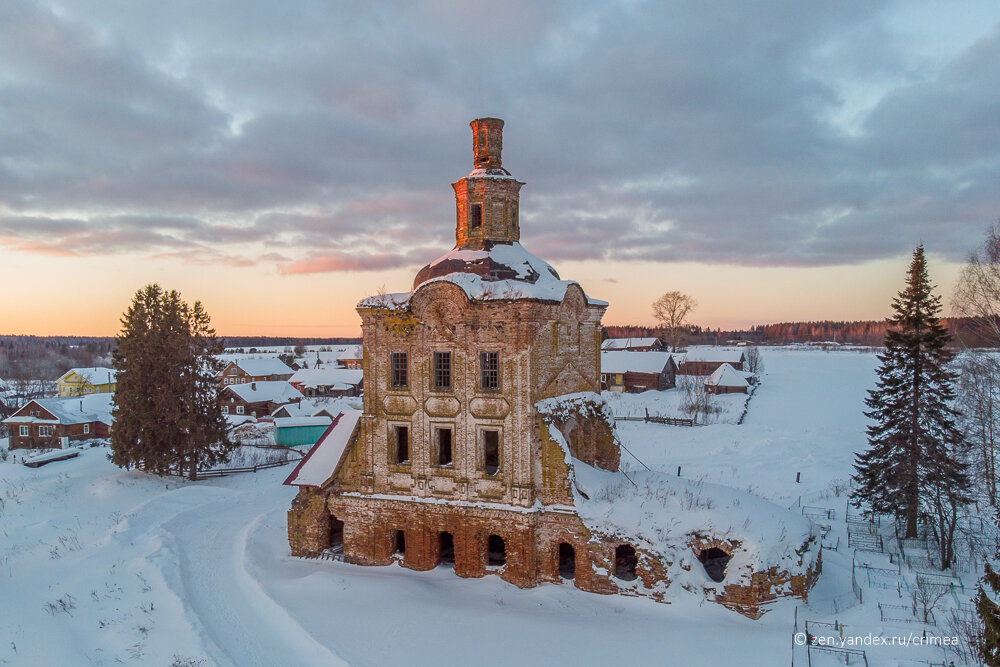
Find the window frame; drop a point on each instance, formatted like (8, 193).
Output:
(475, 216)
(436, 448)
(46, 430)
(240, 409)
(394, 459)
(437, 371)
(24, 431)
(484, 356)
(482, 448)
(399, 378)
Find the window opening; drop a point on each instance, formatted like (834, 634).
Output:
(715, 561)
(444, 446)
(489, 371)
(446, 548)
(402, 451)
(399, 369)
(567, 560)
(398, 542)
(442, 370)
(491, 452)
(496, 551)
(475, 216)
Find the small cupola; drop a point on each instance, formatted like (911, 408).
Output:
(486, 200)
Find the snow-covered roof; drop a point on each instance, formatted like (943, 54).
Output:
(626, 343)
(342, 378)
(288, 422)
(313, 407)
(264, 366)
(324, 457)
(73, 410)
(351, 353)
(504, 272)
(714, 354)
(239, 420)
(94, 375)
(727, 376)
(623, 361)
(276, 391)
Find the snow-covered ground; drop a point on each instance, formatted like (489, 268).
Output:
(100, 566)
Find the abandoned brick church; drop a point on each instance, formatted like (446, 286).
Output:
(481, 396)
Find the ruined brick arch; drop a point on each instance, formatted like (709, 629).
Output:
(574, 305)
(440, 304)
(714, 555)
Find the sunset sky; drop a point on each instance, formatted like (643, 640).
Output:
(280, 161)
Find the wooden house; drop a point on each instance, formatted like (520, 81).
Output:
(242, 371)
(257, 399)
(706, 360)
(637, 371)
(351, 357)
(83, 381)
(44, 423)
(726, 380)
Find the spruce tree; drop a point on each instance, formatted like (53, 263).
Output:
(913, 461)
(989, 614)
(167, 411)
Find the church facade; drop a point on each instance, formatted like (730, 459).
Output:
(481, 394)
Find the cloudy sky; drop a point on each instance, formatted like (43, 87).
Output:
(280, 161)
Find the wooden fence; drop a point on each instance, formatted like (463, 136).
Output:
(657, 419)
(222, 472)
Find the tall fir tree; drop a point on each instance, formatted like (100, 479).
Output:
(167, 411)
(914, 458)
(989, 614)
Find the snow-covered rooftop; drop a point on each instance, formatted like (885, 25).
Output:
(714, 354)
(506, 271)
(73, 410)
(351, 353)
(288, 422)
(342, 378)
(324, 457)
(727, 376)
(94, 374)
(626, 343)
(624, 361)
(276, 391)
(263, 366)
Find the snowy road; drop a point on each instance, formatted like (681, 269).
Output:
(239, 623)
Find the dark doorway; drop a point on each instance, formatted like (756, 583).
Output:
(715, 561)
(398, 542)
(402, 444)
(446, 548)
(625, 562)
(336, 534)
(567, 560)
(496, 551)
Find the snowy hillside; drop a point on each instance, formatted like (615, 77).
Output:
(102, 566)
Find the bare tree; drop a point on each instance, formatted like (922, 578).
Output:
(754, 361)
(968, 628)
(979, 406)
(977, 294)
(671, 311)
(926, 596)
(697, 401)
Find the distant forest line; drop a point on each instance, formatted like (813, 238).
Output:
(48, 357)
(964, 330)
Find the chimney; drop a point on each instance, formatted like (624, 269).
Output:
(253, 386)
(487, 142)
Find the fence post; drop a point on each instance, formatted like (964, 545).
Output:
(678, 471)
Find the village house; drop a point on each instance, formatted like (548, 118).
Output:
(351, 357)
(328, 381)
(241, 371)
(484, 445)
(83, 381)
(637, 371)
(56, 422)
(632, 344)
(257, 399)
(727, 380)
(706, 360)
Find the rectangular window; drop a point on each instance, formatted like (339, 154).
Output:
(45, 431)
(475, 216)
(489, 371)
(239, 409)
(86, 429)
(443, 438)
(491, 451)
(24, 431)
(398, 370)
(401, 444)
(225, 409)
(442, 370)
